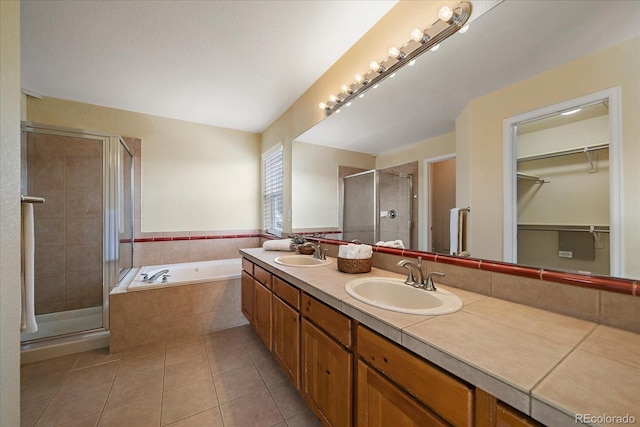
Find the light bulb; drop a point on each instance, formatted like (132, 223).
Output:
(434, 48)
(464, 29)
(394, 52)
(445, 14)
(417, 35)
(333, 98)
(359, 78)
(374, 66)
(345, 89)
(322, 106)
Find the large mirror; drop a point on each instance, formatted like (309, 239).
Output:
(516, 58)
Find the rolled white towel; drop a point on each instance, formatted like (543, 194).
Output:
(352, 251)
(342, 251)
(398, 244)
(365, 252)
(278, 245)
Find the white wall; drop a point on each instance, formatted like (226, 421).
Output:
(10, 213)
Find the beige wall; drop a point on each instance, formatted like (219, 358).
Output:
(194, 177)
(480, 138)
(10, 213)
(315, 186)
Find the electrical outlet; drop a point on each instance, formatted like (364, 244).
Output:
(565, 254)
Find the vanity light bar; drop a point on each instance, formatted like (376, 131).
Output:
(449, 22)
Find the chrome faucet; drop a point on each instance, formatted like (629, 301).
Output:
(318, 253)
(429, 286)
(414, 278)
(155, 276)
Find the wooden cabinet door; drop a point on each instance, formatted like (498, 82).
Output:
(286, 339)
(381, 403)
(262, 313)
(506, 416)
(327, 377)
(247, 296)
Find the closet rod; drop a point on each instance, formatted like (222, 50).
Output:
(564, 152)
(551, 228)
(528, 177)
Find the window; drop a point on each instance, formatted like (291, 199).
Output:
(272, 190)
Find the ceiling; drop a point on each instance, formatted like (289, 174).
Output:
(511, 42)
(233, 64)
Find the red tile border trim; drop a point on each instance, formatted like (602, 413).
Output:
(515, 270)
(181, 238)
(462, 262)
(611, 284)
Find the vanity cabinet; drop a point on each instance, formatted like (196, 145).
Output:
(430, 395)
(327, 363)
(262, 313)
(246, 292)
(286, 328)
(490, 412)
(256, 299)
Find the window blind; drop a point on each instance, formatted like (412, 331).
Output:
(272, 191)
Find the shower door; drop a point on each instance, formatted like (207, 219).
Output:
(76, 251)
(360, 204)
(395, 195)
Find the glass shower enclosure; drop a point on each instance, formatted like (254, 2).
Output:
(377, 206)
(84, 229)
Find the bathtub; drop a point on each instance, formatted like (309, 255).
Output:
(188, 273)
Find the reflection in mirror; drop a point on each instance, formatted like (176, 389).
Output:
(125, 204)
(563, 190)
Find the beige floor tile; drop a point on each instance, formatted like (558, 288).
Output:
(74, 406)
(141, 349)
(143, 413)
(184, 341)
(234, 384)
(253, 410)
(182, 353)
(223, 340)
(225, 361)
(96, 357)
(304, 419)
(188, 400)
(246, 333)
(90, 421)
(130, 388)
(30, 411)
(186, 372)
(288, 400)
(258, 351)
(90, 377)
(42, 387)
(210, 418)
(271, 372)
(138, 363)
(59, 364)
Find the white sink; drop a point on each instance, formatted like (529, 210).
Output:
(395, 295)
(301, 261)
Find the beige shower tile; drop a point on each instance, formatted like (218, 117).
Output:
(46, 145)
(82, 258)
(83, 173)
(230, 248)
(175, 251)
(84, 285)
(200, 250)
(49, 231)
(74, 406)
(131, 388)
(49, 288)
(50, 307)
(83, 147)
(49, 259)
(182, 301)
(575, 301)
(84, 204)
(75, 304)
(147, 253)
(188, 371)
(620, 311)
(83, 231)
(188, 400)
(46, 173)
(54, 207)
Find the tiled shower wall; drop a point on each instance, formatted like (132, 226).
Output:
(169, 247)
(67, 172)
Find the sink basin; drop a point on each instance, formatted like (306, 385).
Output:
(395, 295)
(301, 261)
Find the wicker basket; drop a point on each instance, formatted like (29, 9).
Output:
(350, 265)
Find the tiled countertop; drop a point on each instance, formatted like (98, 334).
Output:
(544, 364)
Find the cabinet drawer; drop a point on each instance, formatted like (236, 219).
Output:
(286, 292)
(335, 323)
(262, 276)
(447, 396)
(509, 417)
(247, 266)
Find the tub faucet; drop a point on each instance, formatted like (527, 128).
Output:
(414, 278)
(318, 253)
(155, 276)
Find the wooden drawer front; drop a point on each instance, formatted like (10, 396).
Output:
(381, 403)
(262, 313)
(336, 324)
(286, 292)
(447, 396)
(262, 276)
(247, 266)
(509, 417)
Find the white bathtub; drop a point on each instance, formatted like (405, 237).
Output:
(188, 273)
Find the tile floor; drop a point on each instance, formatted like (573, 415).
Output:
(227, 378)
